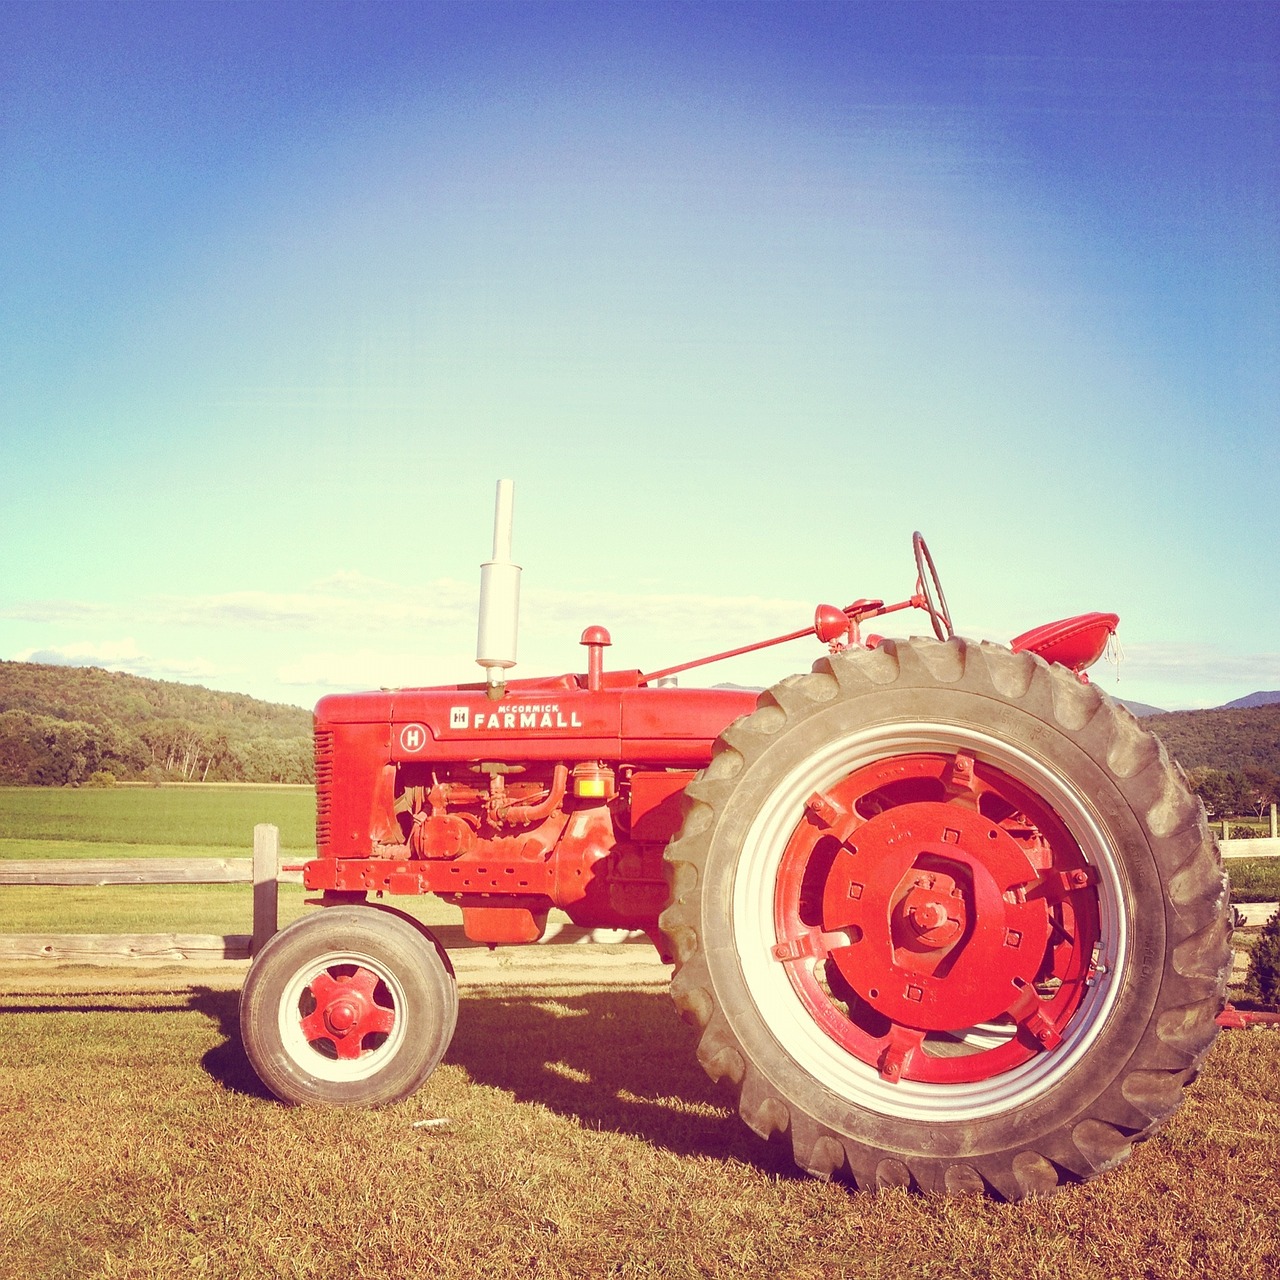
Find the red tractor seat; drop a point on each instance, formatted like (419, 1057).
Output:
(1074, 642)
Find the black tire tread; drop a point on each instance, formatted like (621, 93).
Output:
(1148, 1088)
(423, 963)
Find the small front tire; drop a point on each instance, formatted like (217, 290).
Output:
(352, 1006)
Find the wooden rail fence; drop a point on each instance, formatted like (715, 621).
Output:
(262, 871)
(1257, 847)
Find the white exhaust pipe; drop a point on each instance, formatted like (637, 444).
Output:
(499, 598)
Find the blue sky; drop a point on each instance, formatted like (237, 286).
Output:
(739, 295)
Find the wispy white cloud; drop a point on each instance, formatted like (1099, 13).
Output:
(85, 653)
(60, 611)
(366, 668)
(356, 603)
(680, 614)
(1201, 664)
(120, 655)
(348, 602)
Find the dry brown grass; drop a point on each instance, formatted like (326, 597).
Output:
(583, 1140)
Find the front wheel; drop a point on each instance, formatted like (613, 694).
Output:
(948, 918)
(350, 1006)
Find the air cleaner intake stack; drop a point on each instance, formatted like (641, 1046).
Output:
(499, 598)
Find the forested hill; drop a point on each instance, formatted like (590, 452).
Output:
(1226, 738)
(63, 725)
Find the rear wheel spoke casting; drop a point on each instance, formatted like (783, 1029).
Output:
(933, 899)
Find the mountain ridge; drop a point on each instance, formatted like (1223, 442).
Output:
(1260, 698)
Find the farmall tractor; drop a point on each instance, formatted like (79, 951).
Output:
(943, 914)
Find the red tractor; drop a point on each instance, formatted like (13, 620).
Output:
(942, 912)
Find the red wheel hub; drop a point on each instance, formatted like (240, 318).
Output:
(943, 896)
(931, 892)
(347, 1011)
(934, 911)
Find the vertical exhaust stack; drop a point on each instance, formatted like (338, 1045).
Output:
(499, 599)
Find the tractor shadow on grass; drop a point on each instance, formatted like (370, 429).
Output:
(619, 1060)
(616, 1060)
(226, 1062)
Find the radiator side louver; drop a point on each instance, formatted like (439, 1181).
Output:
(324, 785)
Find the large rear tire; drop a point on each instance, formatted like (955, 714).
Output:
(350, 1006)
(947, 917)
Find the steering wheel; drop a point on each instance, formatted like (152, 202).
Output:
(930, 589)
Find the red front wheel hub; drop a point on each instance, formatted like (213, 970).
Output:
(346, 1012)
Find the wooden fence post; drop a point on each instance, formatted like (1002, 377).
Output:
(266, 888)
(1274, 833)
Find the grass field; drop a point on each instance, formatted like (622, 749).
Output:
(581, 1140)
(1254, 879)
(151, 819)
(125, 822)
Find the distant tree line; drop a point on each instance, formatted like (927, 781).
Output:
(63, 726)
(1235, 793)
(72, 725)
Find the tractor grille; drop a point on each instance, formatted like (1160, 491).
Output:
(324, 784)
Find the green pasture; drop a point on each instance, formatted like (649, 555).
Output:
(1254, 879)
(152, 821)
(196, 821)
(165, 908)
(143, 908)
(216, 821)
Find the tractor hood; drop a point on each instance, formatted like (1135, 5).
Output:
(549, 719)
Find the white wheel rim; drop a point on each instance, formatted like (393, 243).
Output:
(306, 1055)
(775, 998)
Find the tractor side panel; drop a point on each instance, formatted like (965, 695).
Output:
(349, 760)
(677, 726)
